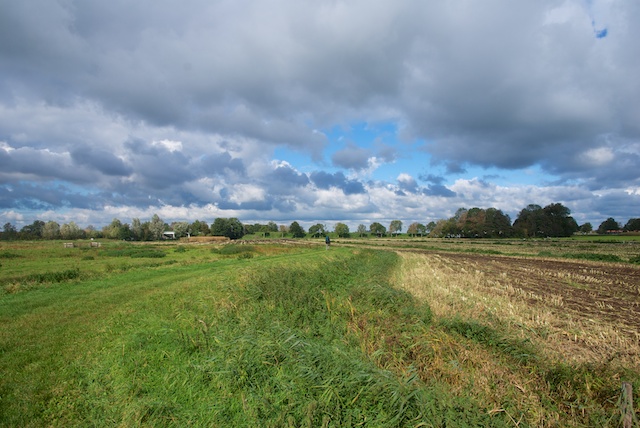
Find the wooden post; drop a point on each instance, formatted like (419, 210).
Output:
(627, 405)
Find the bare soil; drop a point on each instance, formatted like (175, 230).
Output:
(605, 291)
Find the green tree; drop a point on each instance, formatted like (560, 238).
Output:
(33, 230)
(317, 230)
(9, 232)
(180, 228)
(113, 230)
(608, 225)
(529, 221)
(136, 229)
(362, 230)
(558, 221)
(395, 227)
(377, 229)
(203, 228)
(586, 228)
(497, 224)
(51, 230)
(296, 230)
(416, 228)
(342, 230)
(156, 228)
(232, 228)
(632, 225)
(70, 231)
(92, 233)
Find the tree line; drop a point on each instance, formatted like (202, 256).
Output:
(533, 221)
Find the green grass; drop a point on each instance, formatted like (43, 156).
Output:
(216, 344)
(210, 337)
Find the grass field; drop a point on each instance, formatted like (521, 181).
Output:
(371, 333)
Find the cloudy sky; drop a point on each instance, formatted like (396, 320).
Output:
(317, 110)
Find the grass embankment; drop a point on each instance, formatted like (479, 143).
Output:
(269, 342)
(270, 335)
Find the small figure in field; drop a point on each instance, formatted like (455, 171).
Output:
(327, 241)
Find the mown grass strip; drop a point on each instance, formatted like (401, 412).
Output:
(265, 342)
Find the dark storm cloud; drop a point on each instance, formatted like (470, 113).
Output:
(158, 167)
(220, 163)
(285, 175)
(325, 180)
(100, 160)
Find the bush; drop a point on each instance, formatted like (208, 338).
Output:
(233, 249)
(54, 277)
(9, 255)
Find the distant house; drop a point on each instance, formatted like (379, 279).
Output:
(168, 235)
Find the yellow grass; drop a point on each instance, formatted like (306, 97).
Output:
(467, 290)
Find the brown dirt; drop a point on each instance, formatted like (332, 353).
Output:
(604, 291)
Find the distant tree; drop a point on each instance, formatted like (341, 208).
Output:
(586, 228)
(283, 230)
(9, 232)
(497, 224)
(51, 230)
(558, 221)
(296, 230)
(136, 229)
(180, 228)
(554, 220)
(201, 228)
(362, 230)
(33, 230)
(416, 228)
(265, 230)
(395, 227)
(471, 223)
(125, 232)
(438, 229)
(529, 221)
(114, 230)
(430, 226)
(91, 232)
(607, 225)
(317, 230)
(273, 227)
(632, 225)
(146, 231)
(70, 231)
(156, 228)
(342, 230)
(232, 228)
(378, 229)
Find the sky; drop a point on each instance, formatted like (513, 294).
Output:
(317, 111)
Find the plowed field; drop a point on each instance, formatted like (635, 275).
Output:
(606, 291)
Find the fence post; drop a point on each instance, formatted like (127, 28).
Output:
(627, 405)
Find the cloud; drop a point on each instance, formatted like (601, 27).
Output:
(352, 157)
(325, 180)
(133, 107)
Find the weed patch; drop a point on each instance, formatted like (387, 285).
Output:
(522, 351)
(234, 250)
(9, 255)
(134, 253)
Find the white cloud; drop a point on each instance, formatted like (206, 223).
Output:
(597, 157)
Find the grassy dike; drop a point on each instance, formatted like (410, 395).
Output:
(276, 334)
(271, 340)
